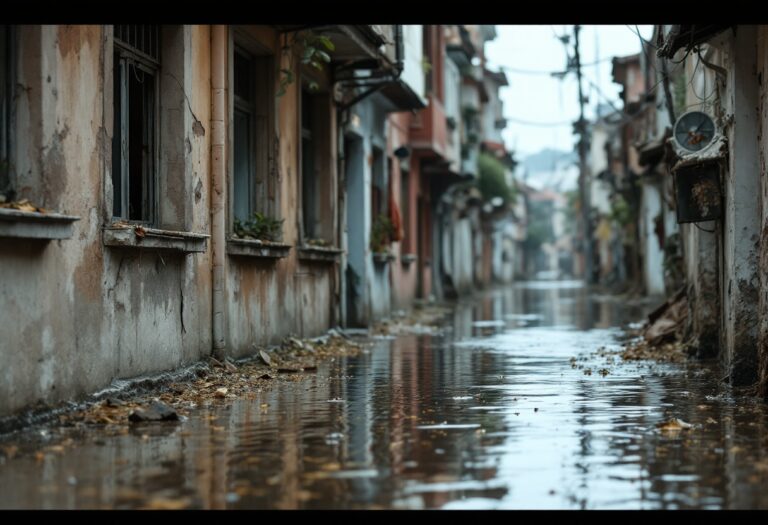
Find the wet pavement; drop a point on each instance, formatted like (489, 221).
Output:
(518, 403)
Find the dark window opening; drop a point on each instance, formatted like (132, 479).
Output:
(405, 209)
(378, 204)
(243, 139)
(309, 177)
(134, 146)
(6, 83)
(254, 186)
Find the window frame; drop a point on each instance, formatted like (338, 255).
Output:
(126, 56)
(264, 183)
(248, 107)
(8, 110)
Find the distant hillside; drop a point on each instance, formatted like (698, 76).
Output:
(548, 160)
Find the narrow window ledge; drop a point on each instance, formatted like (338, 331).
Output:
(257, 248)
(34, 225)
(407, 259)
(319, 253)
(383, 257)
(136, 236)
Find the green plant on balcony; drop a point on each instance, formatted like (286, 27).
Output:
(259, 227)
(313, 49)
(382, 233)
(491, 179)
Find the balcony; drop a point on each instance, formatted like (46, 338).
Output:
(429, 130)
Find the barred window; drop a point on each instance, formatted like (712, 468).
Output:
(136, 84)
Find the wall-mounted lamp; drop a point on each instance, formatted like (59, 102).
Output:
(402, 152)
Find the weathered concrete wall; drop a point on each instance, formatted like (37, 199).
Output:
(742, 218)
(78, 314)
(762, 140)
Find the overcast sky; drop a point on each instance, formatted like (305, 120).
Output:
(540, 98)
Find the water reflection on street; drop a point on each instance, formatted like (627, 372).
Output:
(494, 413)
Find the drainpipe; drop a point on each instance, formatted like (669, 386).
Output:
(218, 171)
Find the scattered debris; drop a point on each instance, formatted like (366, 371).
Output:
(667, 322)
(157, 411)
(23, 205)
(427, 319)
(221, 392)
(265, 357)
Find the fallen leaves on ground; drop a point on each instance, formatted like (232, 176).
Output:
(218, 380)
(665, 353)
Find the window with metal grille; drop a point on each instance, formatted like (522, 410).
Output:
(254, 181)
(6, 84)
(134, 158)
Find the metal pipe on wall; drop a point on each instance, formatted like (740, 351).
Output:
(218, 181)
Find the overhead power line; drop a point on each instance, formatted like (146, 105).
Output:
(543, 124)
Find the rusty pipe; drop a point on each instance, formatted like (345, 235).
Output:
(219, 57)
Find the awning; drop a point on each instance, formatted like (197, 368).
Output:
(688, 36)
(402, 96)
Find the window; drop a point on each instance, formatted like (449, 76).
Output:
(134, 159)
(254, 185)
(405, 210)
(310, 197)
(317, 166)
(6, 84)
(378, 184)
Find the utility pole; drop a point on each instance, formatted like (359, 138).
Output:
(583, 175)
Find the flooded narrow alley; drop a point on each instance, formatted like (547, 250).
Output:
(518, 402)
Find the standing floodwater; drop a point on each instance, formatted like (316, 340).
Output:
(512, 406)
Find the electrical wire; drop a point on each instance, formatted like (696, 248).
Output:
(543, 124)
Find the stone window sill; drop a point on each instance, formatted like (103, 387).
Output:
(34, 225)
(256, 248)
(383, 257)
(407, 259)
(319, 253)
(137, 236)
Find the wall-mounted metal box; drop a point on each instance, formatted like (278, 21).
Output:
(697, 188)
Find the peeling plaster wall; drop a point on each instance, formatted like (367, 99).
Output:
(741, 224)
(762, 138)
(78, 314)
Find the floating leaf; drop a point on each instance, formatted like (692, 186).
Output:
(674, 426)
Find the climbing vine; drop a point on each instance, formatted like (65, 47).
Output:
(314, 50)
